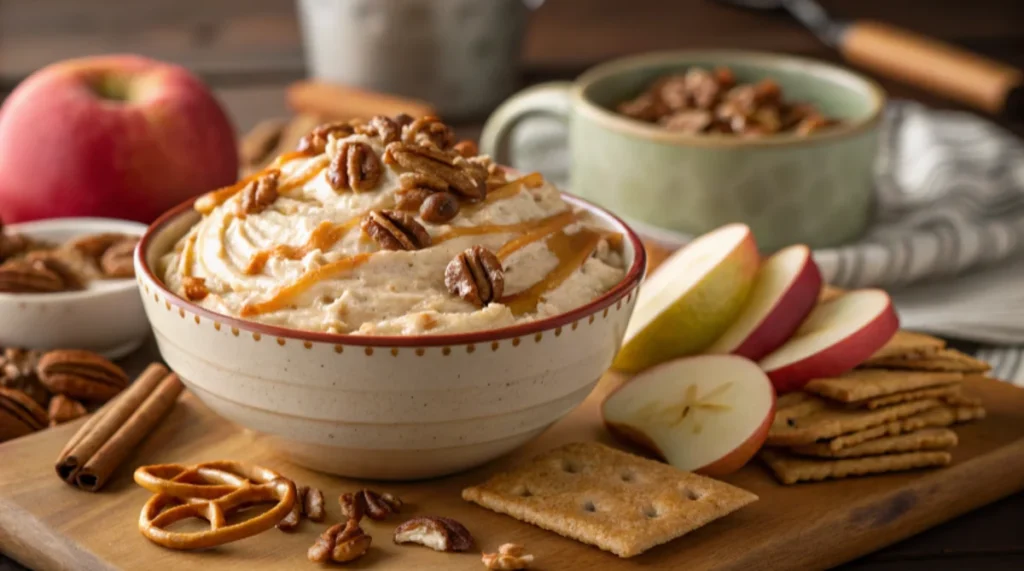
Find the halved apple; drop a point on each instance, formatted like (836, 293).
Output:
(785, 291)
(837, 336)
(708, 414)
(692, 298)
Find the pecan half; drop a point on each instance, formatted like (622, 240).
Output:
(23, 276)
(63, 409)
(355, 166)
(260, 193)
(82, 375)
(439, 208)
(429, 131)
(476, 276)
(437, 533)
(195, 288)
(453, 169)
(340, 543)
(117, 261)
(73, 267)
(411, 199)
(394, 230)
(383, 127)
(422, 180)
(510, 557)
(93, 245)
(368, 502)
(19, 415)
(291, 521)
(315, 142)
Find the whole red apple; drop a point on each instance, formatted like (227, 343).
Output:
(114, 136)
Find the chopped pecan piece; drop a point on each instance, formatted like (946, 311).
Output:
(340, 543)
(439, 208)
(645, 107)
(82, 375)
(260, 193)
(689, 121)
(63, 409)
(18, 371)
(355, 166)
(117, 260)
(510, 557)
(195, 288)
(428, 131)
(437, 533)
(476, 276)
(393, 230)
(411, 199)
(466, 148)
(701, 87)
(463, 178)
(368, 502)
(313, 504)
(23, 276)
(315, 142)
(291, 521)
(385, 128)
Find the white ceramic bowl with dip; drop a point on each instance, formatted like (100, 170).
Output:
(403, 407)
(106, 317)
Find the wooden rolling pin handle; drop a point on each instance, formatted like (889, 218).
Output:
(930, 64)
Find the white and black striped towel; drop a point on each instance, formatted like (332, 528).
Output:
(950, 200)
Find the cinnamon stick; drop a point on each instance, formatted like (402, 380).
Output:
(341, 102)
(98, 469)
(105, 422)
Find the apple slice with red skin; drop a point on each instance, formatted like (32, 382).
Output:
(785, 291)
(708, 414)
(837, 336)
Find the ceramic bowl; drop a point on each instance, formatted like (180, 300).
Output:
(107, 317)
(387, 407)
(817, 189)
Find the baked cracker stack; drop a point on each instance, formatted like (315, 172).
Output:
(892, 413)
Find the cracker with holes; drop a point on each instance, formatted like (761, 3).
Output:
(616, 501)
(834, 420)
(940, 416)
(924, 439)
(907, 344)
(948, 360)
(866, 384)
(792, 469)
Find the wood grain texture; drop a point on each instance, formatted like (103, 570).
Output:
(48, 525)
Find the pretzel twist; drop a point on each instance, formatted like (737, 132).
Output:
(234, 482)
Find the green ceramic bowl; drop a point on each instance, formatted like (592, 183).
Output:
(815, 189)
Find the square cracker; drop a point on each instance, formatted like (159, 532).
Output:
(907, 344)
(934, 417)
(942, 360)
(872, 383)
(836, 420)
(926, 439)
(942, 393)
(598, 495)
(790, 469)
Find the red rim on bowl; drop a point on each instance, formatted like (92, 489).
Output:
(632, 278)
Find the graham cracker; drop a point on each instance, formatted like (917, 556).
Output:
(797, 404)
(865, 384)
(790, 469)
(962, 400)
(949, 360)
(907, 344)
(940, 393)
(600, 496)
(939, 416)
(926, 439)
(836, 420)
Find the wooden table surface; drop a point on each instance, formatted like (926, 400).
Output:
(249, 50)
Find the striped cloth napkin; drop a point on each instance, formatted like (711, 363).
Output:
(948, 234)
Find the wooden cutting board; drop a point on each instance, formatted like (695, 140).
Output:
(46, 524)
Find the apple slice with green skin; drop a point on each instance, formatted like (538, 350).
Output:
(837, 336)
(691, 299)
(708, 414)
(785, 291)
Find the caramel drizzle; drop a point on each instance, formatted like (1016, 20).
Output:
(572, 251)
(211, 200)
(188, 254)
(512, 188)
(504, 228)
(325, 235)
(287, 293)
(548, 226)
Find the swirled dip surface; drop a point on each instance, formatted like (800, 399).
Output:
(304, 262)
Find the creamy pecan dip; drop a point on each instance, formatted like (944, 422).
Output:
(355, 233)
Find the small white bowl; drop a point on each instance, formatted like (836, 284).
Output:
(107, 317)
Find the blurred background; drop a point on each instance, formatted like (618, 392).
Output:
(249, 51)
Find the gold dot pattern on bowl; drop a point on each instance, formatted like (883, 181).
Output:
(339, 349)
(256, 337)
(368, 351)
(446, 351)
(394, 351)
(197, 320)
(420, 352)
(470, 348)
(494, 346)
(307, 345)
(281, 341)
